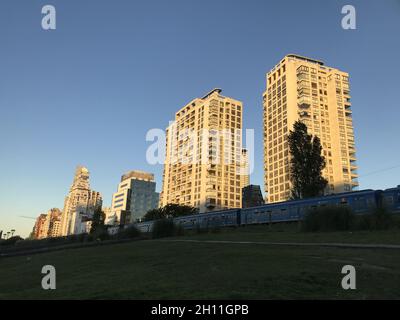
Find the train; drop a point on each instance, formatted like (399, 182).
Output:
(361, 202)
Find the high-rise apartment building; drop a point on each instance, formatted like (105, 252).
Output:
(135, 196)
(203, 154)
(52, 223)
(79, 205)
(39, 231)
(300, 88)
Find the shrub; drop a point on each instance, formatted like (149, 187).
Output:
(328, 219)
(200, 230)
(128, 233)
(166, 228)
(379, 219)
(11, 241)
(215, 229)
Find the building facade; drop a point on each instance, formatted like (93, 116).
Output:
(135, 196)
(300, 88)
(252, 196)
(52, 223)
(203, 154)
(39, 231)
(79, 204)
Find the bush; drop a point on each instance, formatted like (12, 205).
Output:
(200, 230)
(166, 228)
(379, 219)
(328, 219)
(128, 233)
(11, 241)
(342, 218)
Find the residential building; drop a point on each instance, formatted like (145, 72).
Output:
(301, 88)
(79, 204)
(204, 153)
(39, 231)
(52, 223)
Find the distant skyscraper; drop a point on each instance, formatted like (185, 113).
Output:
(300, 88)
(135, 196)
(79, 205)
(52, 224)
(203, 154)
(39, 230)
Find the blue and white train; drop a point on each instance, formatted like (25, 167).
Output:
(361, 202)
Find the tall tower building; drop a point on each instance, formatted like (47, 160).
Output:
(79, 204)
(300, 88)
(135, 196)
(203, 154)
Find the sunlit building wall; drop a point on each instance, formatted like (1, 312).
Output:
(300, 88)
(204, 153)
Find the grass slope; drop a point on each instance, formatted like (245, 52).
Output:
(154, 269)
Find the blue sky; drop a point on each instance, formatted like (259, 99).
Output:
(87, 92)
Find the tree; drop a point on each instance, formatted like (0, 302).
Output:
(171, 210)
(176, 210)
(306, 163)
(97, 221)
(154, 214)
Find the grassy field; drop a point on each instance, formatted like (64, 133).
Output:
(153, 269)
(291, 233)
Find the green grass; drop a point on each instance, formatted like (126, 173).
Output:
(153, 269)
(291, 233)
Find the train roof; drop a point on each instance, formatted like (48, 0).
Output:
(393, 189)
(327, 197)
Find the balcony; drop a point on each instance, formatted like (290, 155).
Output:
(354, 183)
(304, 114)
(210, 202)
(211, 182)
(353, 175)
(304, 102)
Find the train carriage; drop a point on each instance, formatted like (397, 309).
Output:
(360, 202)
(391, 199)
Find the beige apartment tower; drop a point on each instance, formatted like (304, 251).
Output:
(204, 154)
(300, 88)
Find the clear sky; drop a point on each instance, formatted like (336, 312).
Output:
(87, 92)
